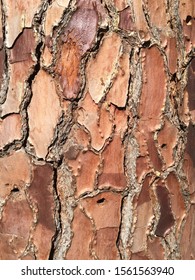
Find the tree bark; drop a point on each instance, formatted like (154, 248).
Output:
(97, 129)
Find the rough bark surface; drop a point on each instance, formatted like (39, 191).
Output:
(97, 129)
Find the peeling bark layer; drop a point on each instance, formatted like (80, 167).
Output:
(97, 129)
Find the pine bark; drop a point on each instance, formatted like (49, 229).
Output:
(97, 131)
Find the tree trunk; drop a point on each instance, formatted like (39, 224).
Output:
(97, 129)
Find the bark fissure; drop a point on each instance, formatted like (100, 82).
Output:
(97, 129)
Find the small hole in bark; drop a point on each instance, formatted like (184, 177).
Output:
(183, 127)
(188, 19)
(101, 200)
(174, 77)
(15, 190)
(163, 145)
(146, 44)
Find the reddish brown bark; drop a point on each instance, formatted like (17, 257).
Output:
(97, 130)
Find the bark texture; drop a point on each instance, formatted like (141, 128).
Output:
(97, 129)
